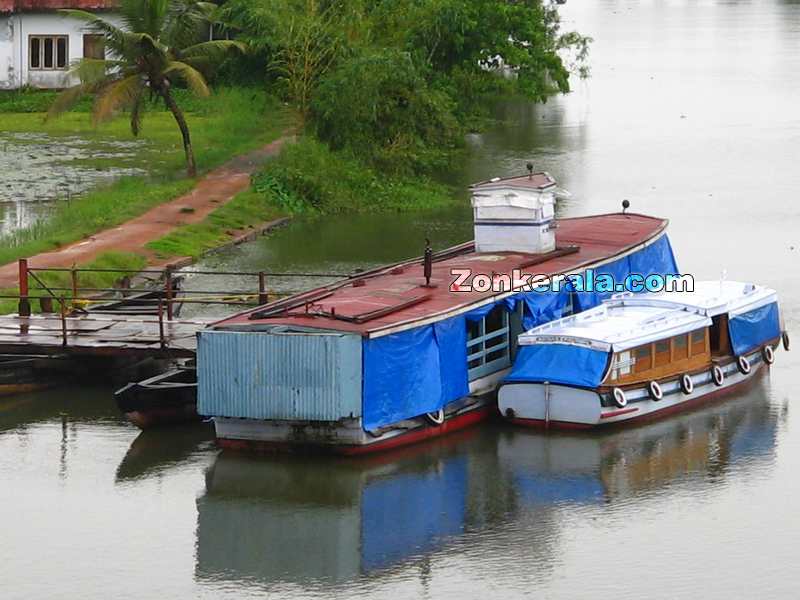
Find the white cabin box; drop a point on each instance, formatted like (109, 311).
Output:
(515, 214)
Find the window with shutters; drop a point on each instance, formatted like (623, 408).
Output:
(48, 52)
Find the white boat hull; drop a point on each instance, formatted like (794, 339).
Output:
(535, 404)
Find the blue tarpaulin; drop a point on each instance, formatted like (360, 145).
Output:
(540, 307)
(655, 259)
(413, 372)
(752, 329)
(559, 364)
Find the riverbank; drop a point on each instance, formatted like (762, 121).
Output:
(212, 191)
(234, 121)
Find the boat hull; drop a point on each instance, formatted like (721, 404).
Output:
(575, 408)
(162, 400)
(345, 437)
(22, 375)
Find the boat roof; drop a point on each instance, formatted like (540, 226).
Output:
(710, 298)
(626, 321)
(534, 181)
(393, 298)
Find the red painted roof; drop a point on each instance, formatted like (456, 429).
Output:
(7, 6)
(598, 238)
(537, 181)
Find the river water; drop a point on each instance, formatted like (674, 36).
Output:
(691, 114)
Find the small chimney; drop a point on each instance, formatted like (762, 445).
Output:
(515, 214)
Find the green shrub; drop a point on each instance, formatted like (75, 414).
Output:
(378, 106)
(310, 178)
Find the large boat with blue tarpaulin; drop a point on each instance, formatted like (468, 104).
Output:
(400, 353)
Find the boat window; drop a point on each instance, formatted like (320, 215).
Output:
(719, 335)
(680, 348)
(641, 357)
(488, 348)
(621, 365)
(698, 342)
(662, 353)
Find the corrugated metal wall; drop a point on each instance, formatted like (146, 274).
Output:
(279, 375)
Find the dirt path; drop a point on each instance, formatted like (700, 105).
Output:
(212, 190)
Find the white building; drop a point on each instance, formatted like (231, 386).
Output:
(37, 43)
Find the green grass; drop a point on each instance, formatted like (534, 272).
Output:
(247, 209)
(231, 122)
(124, 263)
(309, 178)
(103, 208)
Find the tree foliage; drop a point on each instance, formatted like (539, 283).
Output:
(379, 104)
(160, 42)
(392, 81)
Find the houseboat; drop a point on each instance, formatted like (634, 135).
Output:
(641, 356)
(416, 349)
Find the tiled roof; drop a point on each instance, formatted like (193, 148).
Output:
(8, 6)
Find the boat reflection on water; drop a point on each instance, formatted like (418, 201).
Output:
(704, 443)
(154, 451)
(290, 520)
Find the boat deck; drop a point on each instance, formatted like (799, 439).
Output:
(396, 296)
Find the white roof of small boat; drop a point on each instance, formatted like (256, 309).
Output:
(709, 298)
(624, 322)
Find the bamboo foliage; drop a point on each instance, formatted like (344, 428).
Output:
(308, 51)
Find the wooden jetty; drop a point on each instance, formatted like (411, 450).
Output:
(121, 322)
(99, 335)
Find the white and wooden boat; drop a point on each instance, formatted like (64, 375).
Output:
(642, 356)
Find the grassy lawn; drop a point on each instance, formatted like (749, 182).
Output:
(231, 122)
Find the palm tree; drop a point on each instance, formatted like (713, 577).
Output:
(158, 42)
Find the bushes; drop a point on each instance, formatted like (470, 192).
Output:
(309, 178)
(379, 106)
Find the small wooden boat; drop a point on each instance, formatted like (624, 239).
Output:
(170, 397)
(642, 356)
(23, 374)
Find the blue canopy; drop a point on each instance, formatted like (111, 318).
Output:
(754, 328)
(561, 364)
(414, 372)
(655, 259)
(545, 306)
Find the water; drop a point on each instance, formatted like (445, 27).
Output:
(700, 504)
(39, 170)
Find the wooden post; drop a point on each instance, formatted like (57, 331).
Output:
(24, 303)
(168, 291)
(263, 297)
(161, 324)
(74, 276)
(46, 304)
(63, 323)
